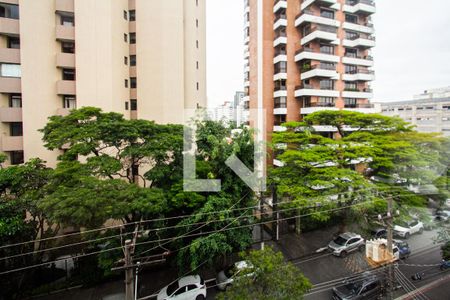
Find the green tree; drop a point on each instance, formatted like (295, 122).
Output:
(273, 279)
(446, 251)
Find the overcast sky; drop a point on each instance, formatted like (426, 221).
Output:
(412, 52)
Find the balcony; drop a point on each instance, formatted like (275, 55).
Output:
(280, 21)
(359, 94)
(365, 28)
(280, 93)
(280, 38)
(65, 6)
(279, 73)
(325, 3)
(10, 114)
(365, 7)
(309, 90)
(309, 54)
(363, 108)
(320, 71)
(280, 4)
(315, 107)
(11, 56)
(310, 17)
(277, 128)
(280, 111)
(66, 87)
(65, 33)
(12, 143)
(359, 75)
(9, 26)
(65, 60)
(280, 56)
(10, 85)
(366, 61)
(360, 41)
(321, 33)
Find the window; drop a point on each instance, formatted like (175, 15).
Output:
(9, 11)
(279, 119)
(132, 15)
(351, 18)
(126, 83)
(132, 37)
(351, 35)
(197, 65)
(191, 287)
(125, 15)
(68, 47)
(125, 37)
(15, 129)
(132, 60)
(281, 67)
(196, 23)
(127, 105)
(16, 157)
(280, 102)
(13, 42)
(180, 291)
(198, 86)
(67, 21)
(326, 84)
(133, 104)
(327, 49)
(280, 85)
(326, 101)
(125, 60)
(327, 13)
(350, 52)
(351, 86)
(350, 102)
(68, 74)
(196, 42)
(69, 102)
(10, 70)
(133, 82)
(15, 100)
(351, 69)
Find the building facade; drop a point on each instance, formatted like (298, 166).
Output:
(303, 56)
(427, 114)
(143, 58)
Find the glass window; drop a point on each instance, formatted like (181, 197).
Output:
(125, 37)
(326, 84)
(280, 102)
(351, 35)
(132, 15)
(133, 104)
(132, 37)
(281, 67)
(191, 287)
(13, 42)
(68, 47)
(351, 18)
(15, 129)
(125, 15)
(350, 52)
(326, 49)
(125, 60)
(67, 21)
(327, 13)
(15, 100)
(350, 102)
(350, 86)
(69, 102)
(326, 101)
(9, 11)
(279, 119)
(127, 104)
(133, 82)
(10, 70)
(132, 60)
(16, 157)
(68, 74)
(280, 85)
(126, 83)
(351, 69)
(180, 291)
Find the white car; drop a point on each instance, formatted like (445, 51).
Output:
(406, 229)
(185, 288)
(227, 276)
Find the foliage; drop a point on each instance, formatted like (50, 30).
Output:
(446, 251)
(273, 279)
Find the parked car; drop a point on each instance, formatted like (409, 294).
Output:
(404, 249)
(367, 287)
(186, 288)
(346, 243)
(226, 277)
(406, 229)
(444, 265)
(379, 233)
(442, 215)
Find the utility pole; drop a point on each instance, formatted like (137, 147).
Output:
(388, 219)
(276, 215)
(129, 277)
(261, 226)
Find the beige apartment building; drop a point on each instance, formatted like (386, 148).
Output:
(143, 58)
(303, 56)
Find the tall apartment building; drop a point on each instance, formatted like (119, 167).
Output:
(303, 56)
(143, 58)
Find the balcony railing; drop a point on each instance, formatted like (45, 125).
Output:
(360, 36)
(360, 71)
(352, 55)
(306, 68)
(280, 16)
(280, 34)
(312, 13)
(310, 87)
(321, 28)
(320, 104)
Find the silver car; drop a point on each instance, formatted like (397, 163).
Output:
(346, 243)
(227, 276)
